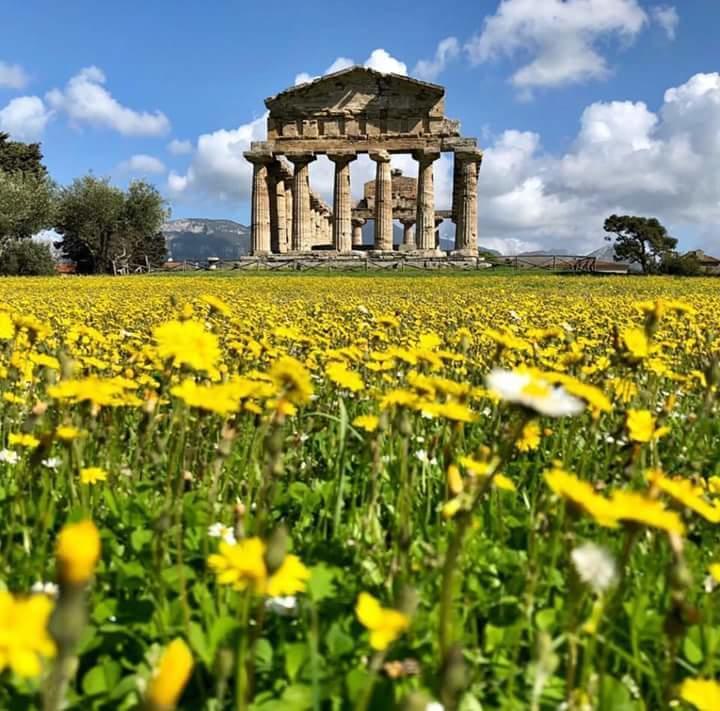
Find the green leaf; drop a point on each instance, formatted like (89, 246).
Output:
(296, 655)
(139, 537)
(321, 584)
(199, 643)
(101, 678)
(692, 646)
(263, 655)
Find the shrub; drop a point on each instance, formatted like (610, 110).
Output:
(26, 258)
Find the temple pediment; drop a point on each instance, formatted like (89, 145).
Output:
(359, 102)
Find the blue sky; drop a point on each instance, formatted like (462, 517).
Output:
(583, 107)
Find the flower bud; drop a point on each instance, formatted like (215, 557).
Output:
(170, 677)
(77, 551)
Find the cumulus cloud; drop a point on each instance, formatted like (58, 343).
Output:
(25, 118)
(86, 100)
(429, 69)
(561, 37)
(12, 76)
(626, 158)
(180, 148)
(142, 164)
(379, 59)
(667, 17)
(218, 168)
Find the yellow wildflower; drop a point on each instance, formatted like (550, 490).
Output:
(292, 379)
(641, 426)
(341, 375)
(529, 437)
(23, 440)
(384, 624)
(7, 327)
(170, 676)
(241, 564)
(714, 569)
(454, 479)
(187, 343)
(703, 694)
(92, 475)
(24, 640)
(581, 494)
(369, 423)
(290, 578)
(77, 551)
(684, 492)
(629, 506)
(636, 343)
(67, 433)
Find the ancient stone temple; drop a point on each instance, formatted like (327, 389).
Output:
(342, 115)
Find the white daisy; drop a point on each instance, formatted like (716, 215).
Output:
(49, 589)
(52, 462)
(219, 530)
(8, 456)
(283, 605)
(531, 391)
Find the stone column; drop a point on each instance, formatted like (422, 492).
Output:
(408, 243)
(342, 202)
(383, 202)
(425, 217)
(278, 218)
(357, 236)
(288, 213)
(467, 211)
(260, 239)
(302, 223)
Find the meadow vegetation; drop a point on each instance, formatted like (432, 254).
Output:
(368, 492)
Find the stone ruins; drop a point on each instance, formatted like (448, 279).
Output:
(341, 115)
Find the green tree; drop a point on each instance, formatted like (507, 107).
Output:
(680, 264)
(26, 258)
(101, 225)
(89, 218)
(145, 212)
(27, 205)
(17, 157)
(643, 240)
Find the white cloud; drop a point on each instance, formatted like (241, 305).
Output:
(179, 148)
(667, 17)
(25, 118)
(12, 76)
(142, 164)
(86, 100)
(429, 69)
(561, 37)
(625, 158)
(218, 168)
(382, 61)
(379, 59)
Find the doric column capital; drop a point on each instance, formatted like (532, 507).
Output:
(380, 156)
(407, 222)
(342, 157)
(471, 156)
(300, 159)
(259, 157)
(439, 221)
(358, 221)
(425, 156)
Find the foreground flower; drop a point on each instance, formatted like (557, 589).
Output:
(534, 392)
(21, 439)
(219, 530)
(641, 426)
(703, 694)
(594, 566)
(170, 677)
(369, 423)
(384, 624)
(581, 494)
(685, 493)
(187, 343)
(243, 566)
(24, 640)
(77, 551)
(632, 507)
(8, 456)
(342, 376)
(92, 475)
(292, 379)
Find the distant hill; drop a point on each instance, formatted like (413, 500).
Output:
(199, 238)
(606, 253)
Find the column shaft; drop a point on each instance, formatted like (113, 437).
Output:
(383, 202)
(342, 204)
(357, 235)
(302, 228)
(260, 209)
(288, 216)
(466, 210)
(425, 216)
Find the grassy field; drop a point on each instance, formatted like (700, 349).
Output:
(281, 493)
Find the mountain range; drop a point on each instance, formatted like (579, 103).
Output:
(196, 238)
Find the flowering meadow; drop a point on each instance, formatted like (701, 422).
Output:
(293, 492)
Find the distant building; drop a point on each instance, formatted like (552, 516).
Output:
(709, 265)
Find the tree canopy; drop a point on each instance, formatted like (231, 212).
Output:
(17, 157)
(27, 203)
(101, 224)
(643, 240)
